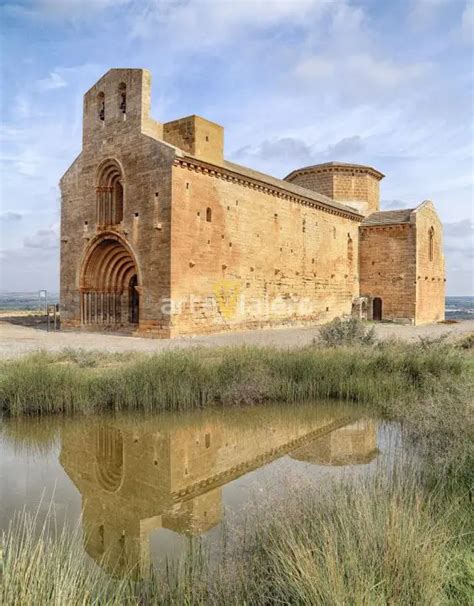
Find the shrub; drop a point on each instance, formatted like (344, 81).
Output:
(347, 332)
(467, 342)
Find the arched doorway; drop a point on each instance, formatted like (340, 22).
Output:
(377, 309)
(109, 284)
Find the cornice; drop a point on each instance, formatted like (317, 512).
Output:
(193, 490)
(219, 172)
(338, 168)
(384, 226)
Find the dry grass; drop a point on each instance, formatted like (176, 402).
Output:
(381, 540)
(377, 541)
(397, 538)
(75, 381)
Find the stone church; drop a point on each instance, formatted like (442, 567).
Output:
(161, 236)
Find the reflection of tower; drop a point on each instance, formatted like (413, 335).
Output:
(354, 444)
(138, 476)
(128, 479)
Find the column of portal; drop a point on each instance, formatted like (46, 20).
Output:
(109, 206)
(118, 307)
(98, 208)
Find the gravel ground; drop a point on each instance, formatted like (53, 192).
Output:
(17, 339)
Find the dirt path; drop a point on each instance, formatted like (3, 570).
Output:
(17, 339)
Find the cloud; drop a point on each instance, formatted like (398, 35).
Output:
(60, 10)
(394, 204)
(284, 149)
(288, 153)
(459, 229)
(45, 239)
(41, 137)
(52, 82)
(459, 250)
(296, 152)
(467, 22)
(29, 269)
(424, 14)
(348, 146)
(315, 68)
(207, 22)
(464, 251)
(26, 162)
(293, 82)
(357, 76)
(23, 106)
(10, 217)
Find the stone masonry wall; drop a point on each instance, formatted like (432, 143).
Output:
(262, 260)
(358, 188)
(388, 268)
(321, 182)
(196, 136)
(430, 281)
(146, 166)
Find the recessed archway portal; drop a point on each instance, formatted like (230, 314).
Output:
(109, 285)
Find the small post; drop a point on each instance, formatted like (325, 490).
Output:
(43, 296)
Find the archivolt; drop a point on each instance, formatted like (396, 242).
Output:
(108, 272)
(109, 193)
(109, 457)
(109, 267)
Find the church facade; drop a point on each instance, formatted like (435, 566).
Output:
(161, 236)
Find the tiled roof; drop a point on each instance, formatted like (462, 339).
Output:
(289, 187)
(343, 165)
(388, 217)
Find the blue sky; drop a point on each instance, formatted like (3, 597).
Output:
(294, 82)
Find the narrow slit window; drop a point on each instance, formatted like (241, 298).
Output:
(431, 243)
(350, 249)
(208, 215)
(117, 207)
(101, 106)
(123, 98)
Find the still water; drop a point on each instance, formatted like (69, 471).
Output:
(140, 486)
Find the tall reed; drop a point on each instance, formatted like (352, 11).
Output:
(47, 383)
(378, 540)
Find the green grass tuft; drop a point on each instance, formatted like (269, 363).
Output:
(71, 382)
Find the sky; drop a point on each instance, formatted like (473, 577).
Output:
(294, 82)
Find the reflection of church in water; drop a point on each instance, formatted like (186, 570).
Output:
(135, 478)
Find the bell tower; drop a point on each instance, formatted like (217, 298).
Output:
(118, 103)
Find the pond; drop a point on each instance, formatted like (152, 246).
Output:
(140, 486)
